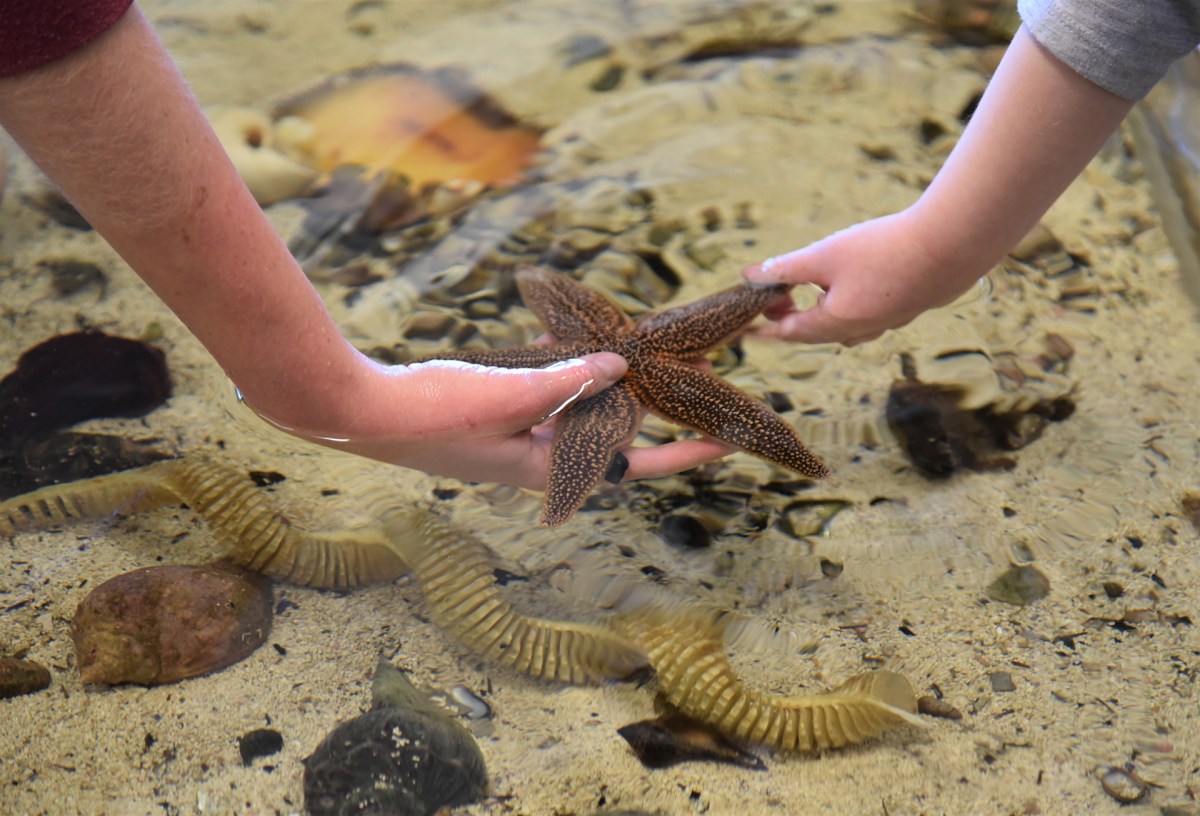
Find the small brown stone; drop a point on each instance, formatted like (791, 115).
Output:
(18, 677)
(932, 706)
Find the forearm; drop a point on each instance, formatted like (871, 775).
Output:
(1037, 127)
(116, 128)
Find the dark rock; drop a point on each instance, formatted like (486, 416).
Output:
(18, 677)
(681, 530)
(78, 376)
(405, 756)
(260, 742)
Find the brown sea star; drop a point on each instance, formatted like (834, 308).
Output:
(659, 349)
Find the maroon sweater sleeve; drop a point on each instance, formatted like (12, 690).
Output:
(35, 32)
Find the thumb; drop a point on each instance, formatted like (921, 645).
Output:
(553, 388)
(793, 268)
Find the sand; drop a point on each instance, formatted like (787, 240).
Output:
(795, 141)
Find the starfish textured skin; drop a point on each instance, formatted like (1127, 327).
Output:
(659, 349)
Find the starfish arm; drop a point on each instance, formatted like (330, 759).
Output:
(696, 399)
(532, 356)
(585, 439)
(690, 330)
(569, 310)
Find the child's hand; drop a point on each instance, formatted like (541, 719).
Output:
(875, 276)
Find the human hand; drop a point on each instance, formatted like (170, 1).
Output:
(875, 276)
(480, 423)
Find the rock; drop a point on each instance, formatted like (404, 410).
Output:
(18, 677)
(161, 624)
(405, 756)
(1019, 586)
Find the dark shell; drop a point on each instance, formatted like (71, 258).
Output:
(162, 624)
(675, 738)
(78, 376)
(394, 760)
(19, 677)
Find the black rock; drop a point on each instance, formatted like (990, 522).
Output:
(260, 742)
(78, 376)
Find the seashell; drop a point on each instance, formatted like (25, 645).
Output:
(685, 650)
(427, 126)
(1001, 681)
(161, 624)
(674, 738)
(1122, 785)
(475, 706)
(404, 756)
(18, 677)
(78, 376)
(1019, 586)
(248, 138)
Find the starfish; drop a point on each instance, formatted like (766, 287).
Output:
(659, 348)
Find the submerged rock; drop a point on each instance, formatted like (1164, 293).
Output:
(1019, 586)
(18, 677)
(78, 376)
(943, 430)
(404, 756)
(69, 456)
(161, 624)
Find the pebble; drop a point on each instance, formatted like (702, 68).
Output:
(1122, 785)
(1002, 681)
(260, 742)
(932, 706)
(682, 530)
(1019, 586)
(18, 677)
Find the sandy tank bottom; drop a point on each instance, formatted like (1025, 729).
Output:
(749, 155)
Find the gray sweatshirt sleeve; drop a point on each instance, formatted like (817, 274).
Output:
(1124, 46)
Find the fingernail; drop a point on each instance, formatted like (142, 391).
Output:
(611, 366)
(761, 273)
(561, 364)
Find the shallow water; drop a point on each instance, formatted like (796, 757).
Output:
(703, 122)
